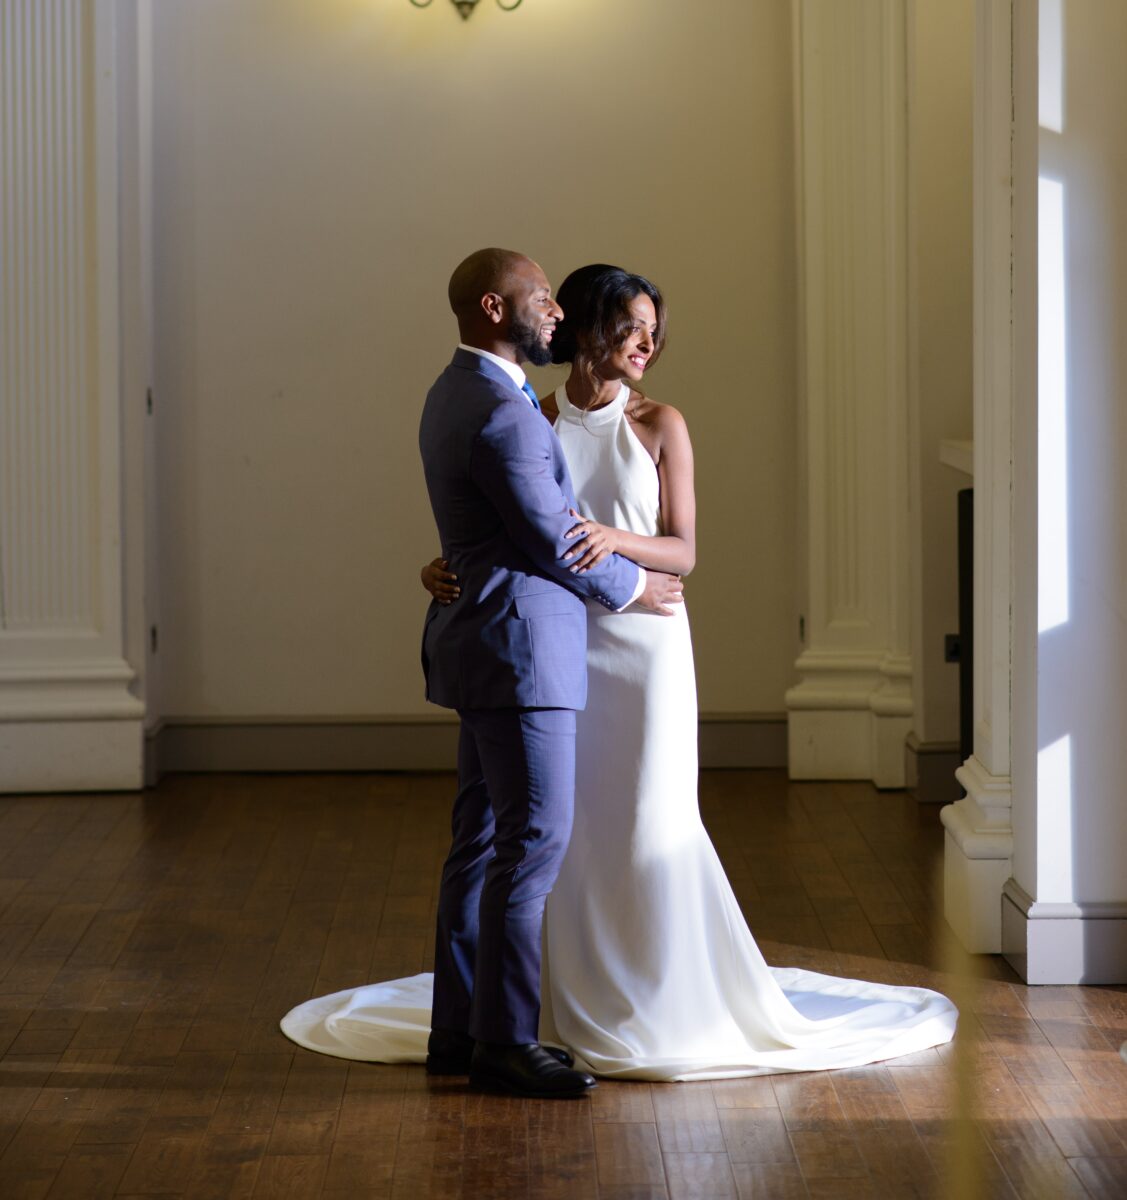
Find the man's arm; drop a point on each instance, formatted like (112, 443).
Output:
(654, 590)
(512, 464)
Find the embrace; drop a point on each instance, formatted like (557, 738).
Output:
(586, 927)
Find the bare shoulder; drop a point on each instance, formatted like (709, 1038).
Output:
(662, 419)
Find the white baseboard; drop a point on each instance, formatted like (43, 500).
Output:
(972, 889)
(977, 858)
(847, 744)
(1063, 943)
(849, 716)
(71, 756)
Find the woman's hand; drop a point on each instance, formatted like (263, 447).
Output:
(598, 541)
(439, 582)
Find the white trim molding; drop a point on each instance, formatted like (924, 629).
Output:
(1063, 943)
(852, 709)
(69, 713)
(978, 856)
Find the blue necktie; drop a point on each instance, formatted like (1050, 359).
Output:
(526, 387)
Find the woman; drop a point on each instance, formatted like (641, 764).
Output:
(650, 969)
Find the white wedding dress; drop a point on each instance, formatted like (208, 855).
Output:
(650, 971)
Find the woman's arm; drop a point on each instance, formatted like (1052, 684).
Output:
(675, 550)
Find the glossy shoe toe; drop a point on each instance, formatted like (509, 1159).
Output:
(529, 1070)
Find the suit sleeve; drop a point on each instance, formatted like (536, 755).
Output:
(512, 464)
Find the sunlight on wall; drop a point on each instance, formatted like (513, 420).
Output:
(1050, 76)
(1054, 820)
(1052, 451)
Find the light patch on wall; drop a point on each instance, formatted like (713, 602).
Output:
(1052, 411)
(1054, 821)
(1050, 66)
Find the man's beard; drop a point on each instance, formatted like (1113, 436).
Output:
(526, 339)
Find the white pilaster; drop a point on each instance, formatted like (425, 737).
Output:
(69, 717)
(979, 834)
(850, 712)
(1064, 910)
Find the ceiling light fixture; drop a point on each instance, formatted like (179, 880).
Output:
(465, 7)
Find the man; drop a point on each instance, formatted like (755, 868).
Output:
(510, 656)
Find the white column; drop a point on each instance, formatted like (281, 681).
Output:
(69, 716)
(850, 712)
(979, 835)
(1064, 909)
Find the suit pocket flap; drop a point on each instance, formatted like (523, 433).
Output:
(546, 604)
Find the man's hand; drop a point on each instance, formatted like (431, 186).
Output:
(439, 582)
(660, 592)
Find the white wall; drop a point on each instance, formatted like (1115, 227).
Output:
(318, 170)
(1071, 845)
(941, 96)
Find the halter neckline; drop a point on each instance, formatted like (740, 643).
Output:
(592, 416)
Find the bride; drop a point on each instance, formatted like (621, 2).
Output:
(650, 971)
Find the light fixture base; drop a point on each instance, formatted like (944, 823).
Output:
(466, 7)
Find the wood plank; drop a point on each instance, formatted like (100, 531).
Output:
(291, 1177)
(756, 1135)
(1103, 1178)
(699, 1176)
(226, 1166)
(162, 1162)
(687, 1120)
(561, 1151)
(778, 1181)
(628, 1154)
(623, 1102)
(91, 1172)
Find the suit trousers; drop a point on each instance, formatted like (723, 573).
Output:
(511, 824)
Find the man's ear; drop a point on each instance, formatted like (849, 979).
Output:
(493, 305)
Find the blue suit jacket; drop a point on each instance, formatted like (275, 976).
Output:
(500, 491)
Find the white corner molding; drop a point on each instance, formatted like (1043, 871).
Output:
(852, 708)
(69, 718)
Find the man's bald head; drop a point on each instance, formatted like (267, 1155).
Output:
(504, 305)
(485, 271)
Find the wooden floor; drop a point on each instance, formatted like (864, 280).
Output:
(149, 945)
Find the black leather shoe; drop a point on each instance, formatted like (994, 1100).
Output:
(449, 1053)
(530, 1070)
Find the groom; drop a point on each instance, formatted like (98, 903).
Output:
(510, 656)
